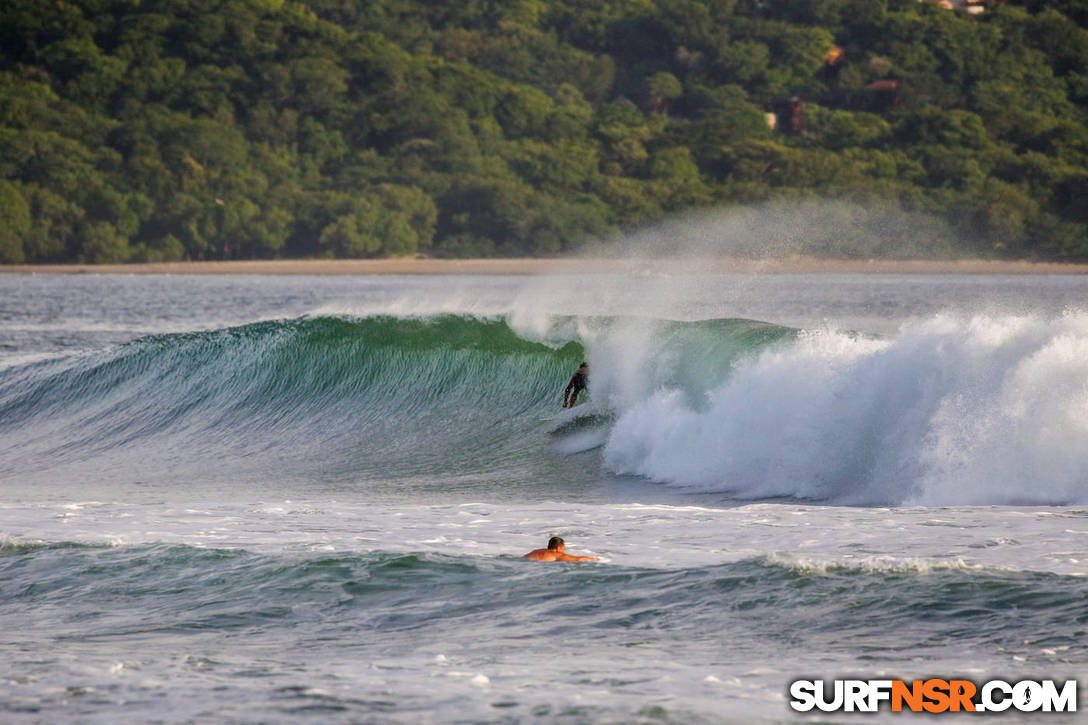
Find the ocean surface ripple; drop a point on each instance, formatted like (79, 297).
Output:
(266, 500)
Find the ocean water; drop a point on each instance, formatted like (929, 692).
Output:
(283, 499)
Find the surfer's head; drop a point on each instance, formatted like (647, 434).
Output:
(584, 366)
(555, 543)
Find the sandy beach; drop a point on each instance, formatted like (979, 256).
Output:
(417, 266)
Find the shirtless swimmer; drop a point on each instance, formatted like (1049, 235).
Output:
(556, 551)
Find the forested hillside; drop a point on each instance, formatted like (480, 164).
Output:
(221, 129)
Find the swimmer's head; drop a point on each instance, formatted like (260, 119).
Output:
(555, 543)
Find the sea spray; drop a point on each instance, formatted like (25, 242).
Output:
(952, 410)
(312, 528)
(984, 409)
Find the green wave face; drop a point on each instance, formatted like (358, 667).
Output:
(338, 399)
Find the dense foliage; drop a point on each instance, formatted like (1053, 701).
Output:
(216, 129)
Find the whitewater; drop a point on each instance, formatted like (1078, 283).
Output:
(250, 499)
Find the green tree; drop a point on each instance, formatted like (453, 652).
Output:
(661, 88)
(15, 211)
(208, 129)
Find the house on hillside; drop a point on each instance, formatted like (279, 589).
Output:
(884, 95)
(787, 115)
(971, 7)
(833, 63)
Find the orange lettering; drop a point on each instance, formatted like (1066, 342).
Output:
(961, 693)
(937, 692)
(911, 695)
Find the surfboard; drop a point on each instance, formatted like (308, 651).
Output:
(581, 409)
(586, 417)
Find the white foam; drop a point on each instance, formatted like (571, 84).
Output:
(981, 410)
(871, 564)
(811, 538)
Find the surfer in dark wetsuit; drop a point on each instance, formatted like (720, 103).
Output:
(578, 382)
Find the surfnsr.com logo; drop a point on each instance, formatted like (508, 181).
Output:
(933, 695)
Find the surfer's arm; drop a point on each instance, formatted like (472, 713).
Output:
(568, 557)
